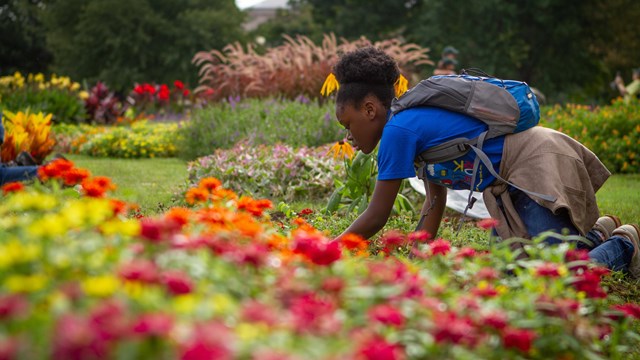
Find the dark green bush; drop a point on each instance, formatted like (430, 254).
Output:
(295, 123)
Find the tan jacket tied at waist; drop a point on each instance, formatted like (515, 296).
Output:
(549, 162)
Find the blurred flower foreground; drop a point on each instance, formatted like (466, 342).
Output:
(83, 277)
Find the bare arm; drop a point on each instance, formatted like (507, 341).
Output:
(375, 217)
(438, 195)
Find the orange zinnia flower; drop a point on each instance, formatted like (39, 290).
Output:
(210, 183)
(75, 176)
(97, 186)
(354, 242)
(178, 214)
(195, 195)
(255, 207)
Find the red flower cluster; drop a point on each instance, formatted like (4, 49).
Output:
(316, 248)
(63, 170)
(160, 92)
(97, 186)
(12, 187)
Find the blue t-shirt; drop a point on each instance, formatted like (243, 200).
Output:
(412, 131)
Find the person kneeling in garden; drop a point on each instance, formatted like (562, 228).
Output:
(535, 161)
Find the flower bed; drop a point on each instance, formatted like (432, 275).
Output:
(141, 139)
(80, 279)
(275, 172)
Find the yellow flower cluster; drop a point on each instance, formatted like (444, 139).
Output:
(18, 81)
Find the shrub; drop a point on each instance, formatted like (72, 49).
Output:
(611, 132)
(140, 140)
(102, 105)
(221, 280)
(295, 123)
(58, 96)
(299, 67)
(27, 132)
(277, 172)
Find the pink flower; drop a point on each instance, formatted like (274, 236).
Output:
(629, 309)
(494, 319)
(139, 270)
(487, 273)
(487, 224)
(548, 269)
(108, 321)
(379, 349)
(316, 248)
(9, 348)
(440, 246)
(314, 314)
(177, 282)
(419, 236)
(158, 230)
(487, 291)
(12, 306)
(449, 328)
(392, 240)
(210, 341)
(466, 253)
(387, 315)
(153, 324)
(520, 339)
(257, 312)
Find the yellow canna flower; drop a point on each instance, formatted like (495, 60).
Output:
(401, 85)
(341, 149)
(330, 85)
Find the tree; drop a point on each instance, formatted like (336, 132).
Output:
(548, 43)
(22, 40)
(123, 42)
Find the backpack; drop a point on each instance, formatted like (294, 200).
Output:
(506, 106)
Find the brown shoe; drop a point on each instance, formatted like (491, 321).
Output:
(606, 224)
(631, 232)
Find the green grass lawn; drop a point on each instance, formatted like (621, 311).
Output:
(153, 184)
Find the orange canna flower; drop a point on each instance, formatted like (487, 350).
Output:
(12, 187)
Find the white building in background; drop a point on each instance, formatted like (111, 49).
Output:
(263, 11)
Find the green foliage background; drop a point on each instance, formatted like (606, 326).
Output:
(126, 41)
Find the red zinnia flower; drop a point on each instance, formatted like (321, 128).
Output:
(153, 324)
(548, 269)
(12, 187)
(178, 84)
(487, 224)
(139, 270)
(520, 339)
(177, 282)
(379, 349)
(75, 176)
(387, 315)
(440, 246)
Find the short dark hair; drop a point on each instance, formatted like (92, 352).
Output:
(365, 71)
